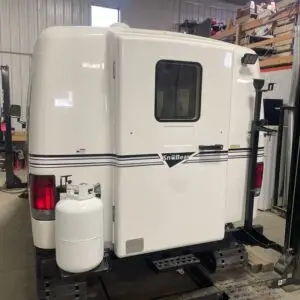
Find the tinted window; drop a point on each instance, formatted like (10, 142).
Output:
(178, 91)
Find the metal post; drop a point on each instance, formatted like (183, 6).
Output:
(278, 152)
(289, 263)
(258, 85)
(292, 237)
(9, 155)
(278, 157)
(12, 181)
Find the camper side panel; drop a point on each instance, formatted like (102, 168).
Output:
(69, 113)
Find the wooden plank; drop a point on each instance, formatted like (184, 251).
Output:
(238, 35)
(290, 41)
(284, 53)
(284, 28)
(284, 48)
(254, 266)
(286, 21)
(229, 23)
(261, 22)
(281, 34)
(225, 33)
(281, 38)
(291, 288)
(274, 69)
(19, 137)
(284, 3)
(243, 19)
(262, 259)
(258, 23)
(276, 61)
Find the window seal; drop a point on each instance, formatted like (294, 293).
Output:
(199, 89)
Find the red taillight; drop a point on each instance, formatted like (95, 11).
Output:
(259, 177)
(43, 192)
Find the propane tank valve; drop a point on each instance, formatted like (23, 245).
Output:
(83, 192)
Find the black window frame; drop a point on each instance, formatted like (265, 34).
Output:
(198, 92)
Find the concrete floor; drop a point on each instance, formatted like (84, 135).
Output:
(274, 226)
(17, 274)
(274, 229)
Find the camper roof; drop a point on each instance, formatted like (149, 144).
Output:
(124, 31)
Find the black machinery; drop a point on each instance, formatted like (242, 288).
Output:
(289, 264)
(9, 111)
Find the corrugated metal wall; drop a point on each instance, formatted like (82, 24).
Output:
(21, 21)
(201, 10)
(164, 14)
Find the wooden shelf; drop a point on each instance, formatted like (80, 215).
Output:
(265, 21)
(239, 31)
(225, 33)
(281, 38)
(257, 23)
(19, 136)
(276, 61)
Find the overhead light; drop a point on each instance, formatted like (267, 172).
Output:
(249, 59)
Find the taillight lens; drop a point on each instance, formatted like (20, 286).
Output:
(42, 194)
(259, 178)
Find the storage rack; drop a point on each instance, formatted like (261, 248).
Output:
(275, 46)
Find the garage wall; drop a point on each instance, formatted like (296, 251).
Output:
(21, 22)
(282, 80)
(17, 255)
(163, 14)
(202, 9)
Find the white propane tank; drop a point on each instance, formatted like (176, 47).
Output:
(79, 231)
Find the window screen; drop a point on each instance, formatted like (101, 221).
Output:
(178, 91)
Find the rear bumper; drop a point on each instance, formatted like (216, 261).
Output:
(43, 234)
(46, 267)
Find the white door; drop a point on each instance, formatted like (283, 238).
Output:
(172, 143)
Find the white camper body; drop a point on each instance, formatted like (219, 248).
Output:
(172, 162)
